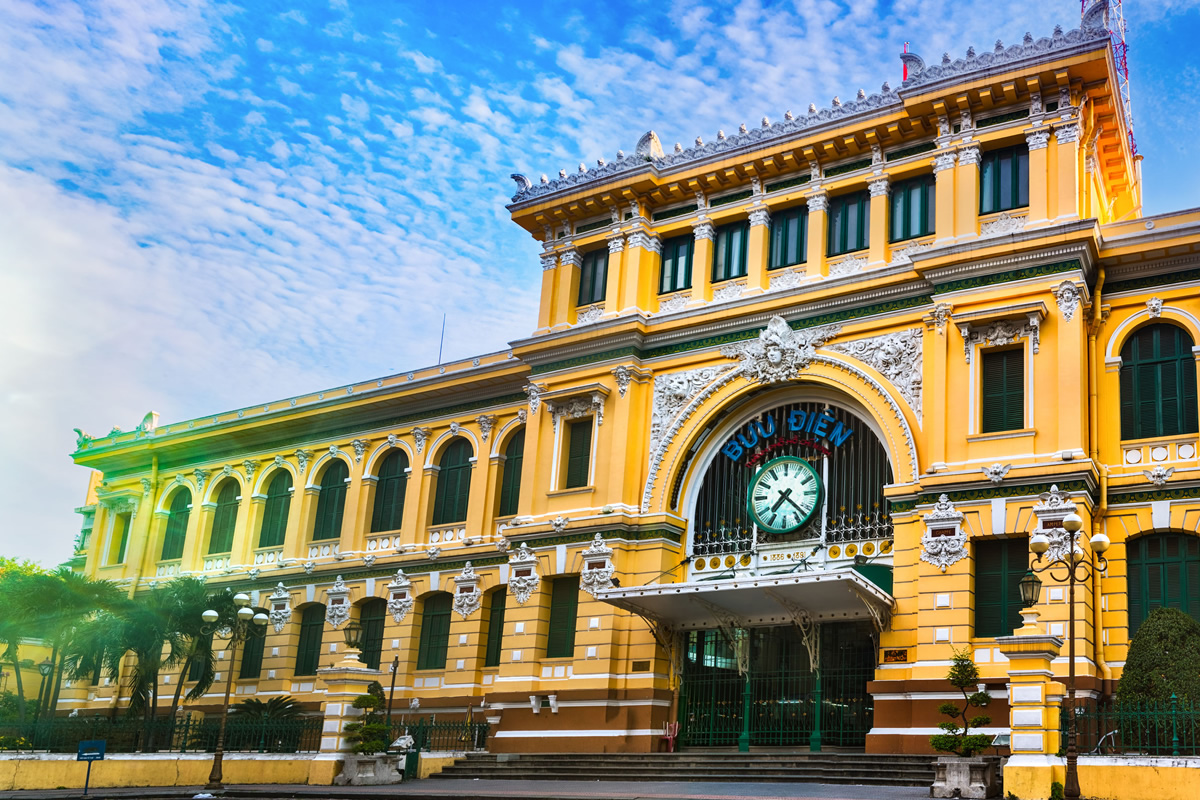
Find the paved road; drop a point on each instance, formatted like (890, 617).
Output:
(441, 789)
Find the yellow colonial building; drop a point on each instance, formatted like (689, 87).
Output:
(795, 400)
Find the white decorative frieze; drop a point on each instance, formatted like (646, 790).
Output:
(1066, 294)
(848, 266)
(467, 597)
(728, 291)
(944, 542)
(337, 603)
(996, 472)
(576, 407)
(782, 281)
(903, 255)
(1000, 333)
(598, 567)
(672, 392)
(400, 599)
(281, 607)
(676, 302)
(896, 356)
(1002, 225)
(523, 578)
(779, 352)
(589, 315)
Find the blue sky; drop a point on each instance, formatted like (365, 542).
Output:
(204, 206)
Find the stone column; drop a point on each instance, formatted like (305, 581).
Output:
(612, 289)
(758, 250)
(566, 288)
(966, 192)
(1034, 700)
(546, 306)
(344, 681)
(877, 253)
(818, 230)
(943, 175)
(1039, 176)
(702, 259)
(1066, 139)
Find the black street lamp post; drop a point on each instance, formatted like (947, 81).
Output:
(245, 625)
(1078, 568)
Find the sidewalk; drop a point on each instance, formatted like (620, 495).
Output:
(441, 789)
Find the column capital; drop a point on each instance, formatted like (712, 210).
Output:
(645, 241)
(1038, 140)
(760, 216)
(549, 262)
(703, 229)
(571, 258)
(879, 187)
(818, 202)
(616, 243)
(969, 155)
(944, 161)
(1068, 132)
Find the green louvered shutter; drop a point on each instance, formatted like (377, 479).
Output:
(388, 511)
(331, 502)
(177, 523)
(495, 630)
(579, 453)
(1129, 423)
(372, 618)
(224, 518)
(252, 656)
(1003, 390)
(999, 566)
(564, 612)
(308, 649)
(435, 632)
(510, 481)
(453, 489)
(276, 510)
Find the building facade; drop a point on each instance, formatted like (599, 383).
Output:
(794, 402)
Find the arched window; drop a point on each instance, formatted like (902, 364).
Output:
(276, 509)
(331, 503)
(510, 482)
(435, 632)
(371, 616)
(1164, 571)
(453, 484)
(224, 518)
(177, 523)
(1158, 383)
(308, 649)
(252, 654)
(497, 603)
(389, 493)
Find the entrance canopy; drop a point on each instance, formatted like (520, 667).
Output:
(748, 602)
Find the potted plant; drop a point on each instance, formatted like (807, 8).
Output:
(371, 765)
(964, 772)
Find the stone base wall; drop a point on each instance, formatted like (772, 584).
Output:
(1106, 777)
(53, 771)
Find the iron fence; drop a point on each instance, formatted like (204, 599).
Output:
(185, 734)
(1170, 728)
(433, 735)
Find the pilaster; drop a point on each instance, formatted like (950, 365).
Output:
(758, 250)
(1038, 141)
(818, 231)
(877, 253)
(566, 289)
(943, 176)
(546, 305)
(1066, 168)
(612, 288)
(643, 256)
(702, 258)
(966, 193)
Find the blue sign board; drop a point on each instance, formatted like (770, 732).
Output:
(91, 750)
(820, 424)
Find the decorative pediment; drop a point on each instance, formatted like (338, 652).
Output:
(337, 603)
(779, 352)
(523, 578)
(999, 327)
(576, 403)
(467, 597)
(944, 542)
(400, 599)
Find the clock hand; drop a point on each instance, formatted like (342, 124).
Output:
(793, 502)
(783, 495)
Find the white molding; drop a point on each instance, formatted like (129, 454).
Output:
(377, 455)
(431, 447)
(1119, 334)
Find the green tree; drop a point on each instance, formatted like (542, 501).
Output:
(280, 707)
(370, 735)
(188, 599)
(958, 739)
(1163, 659)
(15, 577)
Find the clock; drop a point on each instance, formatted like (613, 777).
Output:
(783, 494)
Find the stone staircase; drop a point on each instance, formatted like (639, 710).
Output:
(724, 766)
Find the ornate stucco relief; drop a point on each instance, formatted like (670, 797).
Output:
(896, 356)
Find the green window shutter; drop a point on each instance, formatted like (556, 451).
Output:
(308, 649)
(1004, 179)
(252, 657)
(564, 612)
(331, 502)
(372, 617)
(495, 629)
(1187, 392)
(387, 514)
(912, 208)
(1002, 390)
(789, 239)
(593, 277)
(510, 481)
(224, 518)
(999, 566)
(676, 264)
(124, 521)
(729, 251)
(579, 453)
(1158, 383)
(177, 523)
(453, 490)
(849, 223)
(1129, 422)
(276, 510)
(435, 632)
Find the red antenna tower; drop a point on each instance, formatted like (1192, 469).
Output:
(1116, 34)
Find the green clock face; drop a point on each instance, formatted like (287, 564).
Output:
(784, 494)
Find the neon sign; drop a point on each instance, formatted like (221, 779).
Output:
(818, 423)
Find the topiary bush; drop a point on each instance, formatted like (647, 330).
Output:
(1163, 659)
(371, 735)
(958, 739)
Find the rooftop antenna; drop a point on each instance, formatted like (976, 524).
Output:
(442, 340)
(1116, 34)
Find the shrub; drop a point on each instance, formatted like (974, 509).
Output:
(1164, 659)
(963, 675)
(372, 734)
(1056, 791)
(14, 743)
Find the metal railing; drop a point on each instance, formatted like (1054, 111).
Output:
(432, 735)
(1170, 728)
(185, 734)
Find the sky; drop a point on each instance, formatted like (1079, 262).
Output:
(205, 206)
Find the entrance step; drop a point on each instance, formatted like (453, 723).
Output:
(772, 767)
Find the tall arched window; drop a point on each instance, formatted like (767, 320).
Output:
(435, 632)
(252, 654)
(224, 518)
(331, 503)
(177, 523)
(276, 509)
(1164, 571)
(497, 604)
(1158, 383)
(510, 482)
(371, 616)
(388, 512)
(453, 484)
(308, 649)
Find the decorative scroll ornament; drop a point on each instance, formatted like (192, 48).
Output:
(227, 470)
(1067, 296)
(672, 392)
(486, 423)
(523, 576)
(943, 161)
(1050, 513)
(590, 314)
(1154, 305)
(392, 440)
(420, 436)
(467, 598)
(1000, 333)
(996, 472)
(82, 439)
(941, 315)
(779, 352)
(522, 415)
(400, 599)
(281, 607)
(623, 376)
(1159, 475)
(559, 524)
(1038, 140)
(360, 447)
(280, 461)
(309, 566)
(576, 408)
(369, 559)
(147, 485)
(1001, 225)
(848, 266)
(786, 280)
(302, 457)
(250, 467)
(676, 302)
(598, 567)
(454, 428)
(944, 542)
(433, 553)
(728, 291)
(201, 475)
(903, 255)
(337, 603)
(535, 392)
(896, 356)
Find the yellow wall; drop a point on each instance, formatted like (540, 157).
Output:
(39, 772)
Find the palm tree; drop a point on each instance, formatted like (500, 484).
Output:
(281, 707)
(15, 627)
(189, 598)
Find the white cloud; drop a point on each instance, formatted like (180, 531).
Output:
(265, 46)
(422, 62)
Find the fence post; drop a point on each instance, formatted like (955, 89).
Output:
(1174, 725)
